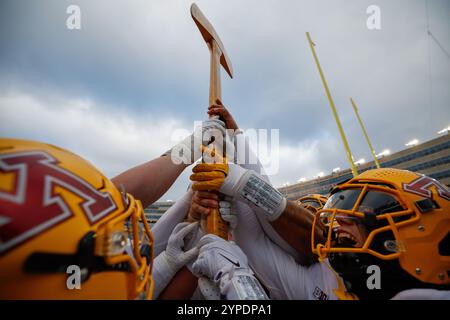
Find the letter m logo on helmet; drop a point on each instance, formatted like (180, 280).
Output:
(32, 201)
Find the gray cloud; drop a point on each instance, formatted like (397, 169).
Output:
(147, 60)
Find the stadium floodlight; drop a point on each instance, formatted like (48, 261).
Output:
(302, 179)
(412, 143)
(336, 170)
(320, 175)
(384, 153)
(360, 162)
(445, 130)
(168, 200)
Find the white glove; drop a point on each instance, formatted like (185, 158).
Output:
(225, 264)
(168, 262)
(227, 212)
(249, 186)
(188, 151)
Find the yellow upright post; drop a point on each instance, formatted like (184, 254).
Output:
(333, 108)
(365, 133)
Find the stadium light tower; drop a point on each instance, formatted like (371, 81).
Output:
(412, 143)
(369, 143)
(360, 161)
(302, 180)
(333, 108)
(320, 175)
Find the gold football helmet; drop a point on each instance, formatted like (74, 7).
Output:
(66, 232)
(397, 217)
(312, 202)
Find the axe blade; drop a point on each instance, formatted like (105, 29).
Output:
(209, 34)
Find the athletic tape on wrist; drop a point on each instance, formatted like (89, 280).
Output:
(242, 286)
(262, 195)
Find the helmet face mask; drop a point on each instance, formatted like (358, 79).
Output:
(61, 211)
(375, 215)
(352, 223)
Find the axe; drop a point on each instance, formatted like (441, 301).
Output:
(213, 223)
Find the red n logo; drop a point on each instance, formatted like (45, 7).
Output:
(421, 186)
(34, 206)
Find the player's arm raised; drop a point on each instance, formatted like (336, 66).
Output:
(292, 222)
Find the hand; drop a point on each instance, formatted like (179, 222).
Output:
(220, 110)
(167, 263)
(218, 257)
(176, 243)
(226, 265)
(188, 150)
(228, 212)
(201, 204)
(237, 182)
(204, 201)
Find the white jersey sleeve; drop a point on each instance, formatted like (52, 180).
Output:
(277, 270)
(422, 294)
(162, 230)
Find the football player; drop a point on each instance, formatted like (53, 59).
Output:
(394, 221)
(68, 232)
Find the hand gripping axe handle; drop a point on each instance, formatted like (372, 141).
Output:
(213, 223)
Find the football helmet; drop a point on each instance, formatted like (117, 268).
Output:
(396, 219)
(66, 232)
(312, 202)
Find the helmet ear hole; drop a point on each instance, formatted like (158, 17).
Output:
(426, 205)
(444, 246)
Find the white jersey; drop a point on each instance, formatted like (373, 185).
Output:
(277, 270)
(285, 279)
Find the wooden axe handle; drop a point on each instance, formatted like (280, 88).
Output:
(214, 223)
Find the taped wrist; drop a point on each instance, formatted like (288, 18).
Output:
(242, 286)
(267, 200)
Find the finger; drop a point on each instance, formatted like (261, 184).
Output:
(224, 204)
(198, 265)
(179, 226)
(218, 101)
(218, 106)
(187, 230)
(208, 185)
(219, 112)
(207, 195)
(207, 176)
(225, 211)
(209, 203)
(199, 210)
(209, 238)
(207, 167)
(191, 254)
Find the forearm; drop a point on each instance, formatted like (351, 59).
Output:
(149, 181)
(295, 225)
(181, 287)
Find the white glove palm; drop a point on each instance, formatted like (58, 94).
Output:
(167, 264)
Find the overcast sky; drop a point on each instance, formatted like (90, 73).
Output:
(115, 91)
